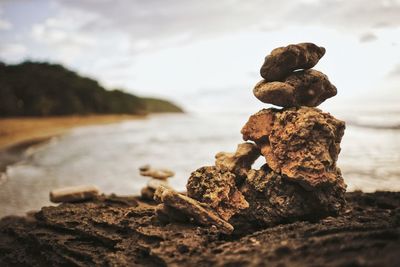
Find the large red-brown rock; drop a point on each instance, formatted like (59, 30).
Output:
(284, 60)
(259, 126)
(217, 189)
(301, 88)
(301, 143)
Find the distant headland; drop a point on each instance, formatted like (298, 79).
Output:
(42, 89)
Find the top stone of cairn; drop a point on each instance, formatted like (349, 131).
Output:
(284, 60)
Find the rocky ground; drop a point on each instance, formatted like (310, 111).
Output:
(124, 231)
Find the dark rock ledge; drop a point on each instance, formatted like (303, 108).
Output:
(124, 231)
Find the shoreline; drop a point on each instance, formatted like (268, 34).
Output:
(18, 134)
(14, 131)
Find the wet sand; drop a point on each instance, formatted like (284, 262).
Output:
(18, 134)
(124, 231)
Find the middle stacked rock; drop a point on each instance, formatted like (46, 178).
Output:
(300, 144)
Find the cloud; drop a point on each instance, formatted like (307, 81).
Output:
(63, 29)
(155, 24)
(5, 25)
(12, 51)
(170, 21)
(199, 17)
(61, 37)
(349, 15)
(175, 46)
(395, 72)
(368, 37)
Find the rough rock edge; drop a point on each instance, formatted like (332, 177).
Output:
(217, 189)
(274, 198)
(192, 208)
(280, 133)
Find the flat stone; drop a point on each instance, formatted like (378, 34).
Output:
(160, 174)
(74, 193)
(192, 208)
(301, 88)
(284, 60)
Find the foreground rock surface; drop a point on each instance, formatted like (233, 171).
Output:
(116, 231)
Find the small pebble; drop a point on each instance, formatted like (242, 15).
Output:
(74, 193)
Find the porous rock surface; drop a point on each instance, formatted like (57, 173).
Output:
(124, 231)
(300, 143)
(217, 189)
(273, 199)
(301, 88)
(284, 60)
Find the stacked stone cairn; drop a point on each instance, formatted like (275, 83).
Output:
(300, 144)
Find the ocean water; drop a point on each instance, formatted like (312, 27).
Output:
(109, 155)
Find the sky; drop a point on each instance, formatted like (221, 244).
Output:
(206, 54)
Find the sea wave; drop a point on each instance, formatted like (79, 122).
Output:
(378, 126)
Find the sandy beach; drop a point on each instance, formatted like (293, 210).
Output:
(14, 131)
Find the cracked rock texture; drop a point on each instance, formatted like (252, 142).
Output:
(301, 88)
(300, 143)
(273, 199)
(124, 231)
(217, 189)
(284, 60)
(191, 208)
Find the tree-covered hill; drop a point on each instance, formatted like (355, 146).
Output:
(43, 89)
